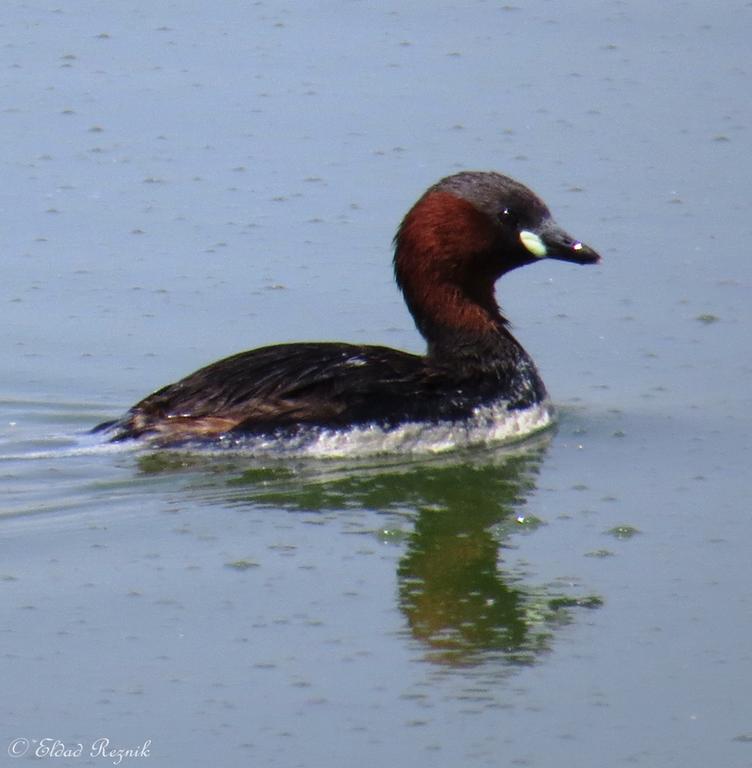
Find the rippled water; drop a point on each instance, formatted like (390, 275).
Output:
(184, 183)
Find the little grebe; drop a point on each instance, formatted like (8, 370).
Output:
(452, 246)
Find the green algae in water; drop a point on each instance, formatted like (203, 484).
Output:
(528, 523)
(588, 601)
(602, 553)
(392, 535)
(623, 532)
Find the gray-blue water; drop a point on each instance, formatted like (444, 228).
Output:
(186, 180)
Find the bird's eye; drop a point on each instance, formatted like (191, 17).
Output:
(509, 217)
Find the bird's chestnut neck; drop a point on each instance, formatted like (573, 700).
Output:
(446, 264)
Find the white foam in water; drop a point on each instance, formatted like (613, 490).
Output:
(490, 425)
(84, 445)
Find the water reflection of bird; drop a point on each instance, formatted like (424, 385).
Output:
(459, 600)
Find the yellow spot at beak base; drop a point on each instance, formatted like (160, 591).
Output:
(533, 243)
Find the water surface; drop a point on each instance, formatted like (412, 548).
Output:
(185, 181)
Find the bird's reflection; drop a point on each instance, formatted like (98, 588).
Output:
(458, 600)
(456, 597)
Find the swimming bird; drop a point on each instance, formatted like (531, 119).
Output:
(459, 238)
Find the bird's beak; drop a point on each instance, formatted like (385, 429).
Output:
(552, 242)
